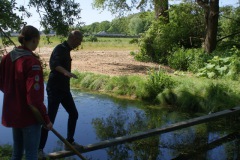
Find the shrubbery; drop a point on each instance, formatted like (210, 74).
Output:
(5, 152)
(162, 37)
(222, 67)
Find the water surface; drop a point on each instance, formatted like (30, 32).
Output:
(102, 117)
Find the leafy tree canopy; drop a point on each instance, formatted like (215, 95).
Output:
(57, 15)
(119, 7)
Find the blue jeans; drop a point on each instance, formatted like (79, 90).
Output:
(26, 139)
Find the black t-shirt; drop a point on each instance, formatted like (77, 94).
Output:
(60, 57)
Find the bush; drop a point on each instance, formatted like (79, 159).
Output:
(167, 97)
(156, 83)
(180, 59)
(183, 25)
(5, 152)
(91, 38)
(221, 67)
(135, 40)
(188, 59)
(141, 57)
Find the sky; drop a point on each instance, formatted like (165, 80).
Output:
(90, 15)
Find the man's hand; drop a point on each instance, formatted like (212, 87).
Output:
(49, 126)
(65, 72)
(70, 75)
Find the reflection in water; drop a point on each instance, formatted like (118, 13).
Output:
(115, 126)
(102, 118)
(200, 142)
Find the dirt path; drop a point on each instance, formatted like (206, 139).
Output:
(104, 62)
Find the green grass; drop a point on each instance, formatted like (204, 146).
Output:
(5, 152)
(109, 44)
(185, 92)
(103, 43)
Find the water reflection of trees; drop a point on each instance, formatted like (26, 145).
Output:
(115, 126)
(183, 142)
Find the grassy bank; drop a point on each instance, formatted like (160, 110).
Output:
(183, 92)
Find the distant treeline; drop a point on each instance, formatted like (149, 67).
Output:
(130, 26)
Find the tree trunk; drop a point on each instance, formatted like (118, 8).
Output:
(161, 7)
(211, 16)
(212, 27)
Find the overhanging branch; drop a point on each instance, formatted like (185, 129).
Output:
(233, 34)
(6, 36)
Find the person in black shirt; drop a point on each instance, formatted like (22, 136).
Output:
(58, 87)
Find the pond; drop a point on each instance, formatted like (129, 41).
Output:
(103, 117)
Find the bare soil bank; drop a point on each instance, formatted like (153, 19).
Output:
(111, 63)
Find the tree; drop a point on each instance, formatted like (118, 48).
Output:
(57, 15)
(185, 29)
(94, 27)
(136, 26)
(120, 7)
(9, 20)
(211, 8)
(229, 29)
(160, 8)
(119, 26)
(104, 26)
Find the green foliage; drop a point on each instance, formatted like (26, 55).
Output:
(180, 59)
(157, 81)
(125, 85)
(220, 63)
(96, 27)
(136, 26)
(140, 56)
(104, 26)
(217, 97)
(87, 80)
(99, 83)
(158, 87)
(203, 95)
(188, 101)
(91, 38)
(185, 29)
(135, 40)
(130, 25)
(53, 16)
(199, 57)
(10, 21)
(119, 26)
(167, 97)
(5, 152)
(56, 13)
(218, 67)
(229, 27)
(187, 93)
(148, 44)
(115, 6)
(187, 59)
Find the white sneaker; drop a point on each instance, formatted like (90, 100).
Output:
(41, 155)
(75, 145)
